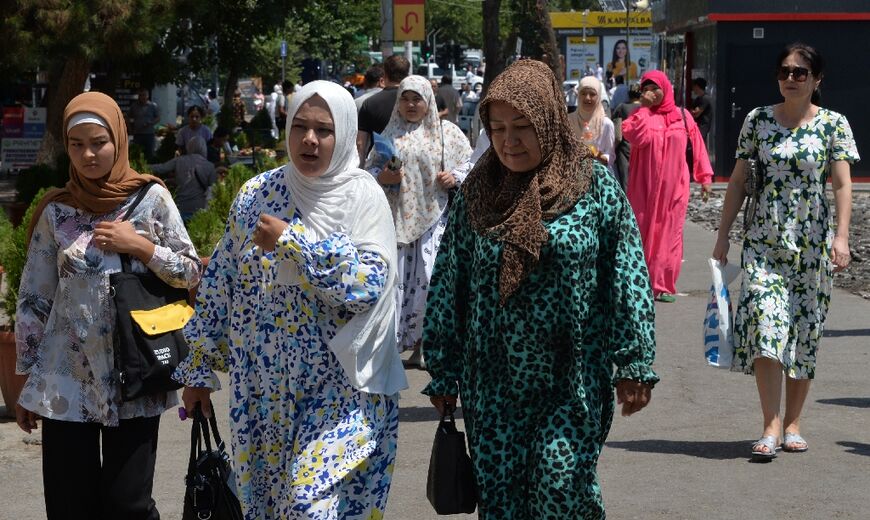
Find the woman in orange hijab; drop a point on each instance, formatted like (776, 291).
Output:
(98, 450)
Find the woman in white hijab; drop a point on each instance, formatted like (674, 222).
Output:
(591, 124)
(298, 306)
(430, 149)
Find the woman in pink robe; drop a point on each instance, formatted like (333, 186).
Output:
(658, 185)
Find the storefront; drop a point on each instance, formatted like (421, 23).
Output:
(733, 44)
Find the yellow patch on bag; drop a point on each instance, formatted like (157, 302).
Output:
(163, 319)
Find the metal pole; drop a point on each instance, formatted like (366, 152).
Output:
(409, 52)
(386, 28)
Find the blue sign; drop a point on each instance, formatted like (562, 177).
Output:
(283, 48)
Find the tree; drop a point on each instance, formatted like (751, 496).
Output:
(351, 26)
(66, 37)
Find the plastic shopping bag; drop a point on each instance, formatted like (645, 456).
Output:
(718, 321)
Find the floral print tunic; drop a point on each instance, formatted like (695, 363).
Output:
(65, 318)
(306, 444)
(787, 270)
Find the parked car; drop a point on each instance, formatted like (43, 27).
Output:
(431, 70)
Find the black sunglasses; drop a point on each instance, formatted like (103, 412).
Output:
(798, 73)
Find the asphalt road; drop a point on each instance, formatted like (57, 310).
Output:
(684, 457)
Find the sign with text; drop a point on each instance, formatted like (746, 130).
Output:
(17, 154)
(612, 19)
(34, 123)
(582, 53)
(409, 22)
(13, 121)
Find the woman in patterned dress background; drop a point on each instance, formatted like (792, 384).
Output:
(790, 250)
(430, 149)
(297, 304)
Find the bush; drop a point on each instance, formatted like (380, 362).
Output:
(37, 177)
(260, 130)
(208, 225)
(13, 255)
(137, 158)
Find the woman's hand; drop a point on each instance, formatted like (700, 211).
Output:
(600, 157)
(840, 255)
(25, 418)
(632, 395)
(267, 231)
(389, 177)
(446, 180)
(720, 250)
(706, 190)
(121, 237)
(196, 396)
(648, 98)
(440, 401)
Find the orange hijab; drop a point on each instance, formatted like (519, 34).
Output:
(107, 193)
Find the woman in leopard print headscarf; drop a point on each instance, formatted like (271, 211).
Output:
(539, 292)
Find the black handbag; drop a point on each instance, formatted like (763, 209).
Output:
(450, 486)
(150, 314)
(210, 483)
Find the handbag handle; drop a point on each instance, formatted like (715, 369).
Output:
(447, 423)
(126, 266)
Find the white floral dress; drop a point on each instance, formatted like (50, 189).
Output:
(306, 444)
(65, 318)
(787, 270)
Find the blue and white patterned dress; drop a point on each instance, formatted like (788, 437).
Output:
(306, 444)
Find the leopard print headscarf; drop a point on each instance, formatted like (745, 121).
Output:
(512, 207)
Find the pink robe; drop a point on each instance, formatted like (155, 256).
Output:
(658, 189)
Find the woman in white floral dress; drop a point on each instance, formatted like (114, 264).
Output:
(790, 250)
(297, 305)
(430, 150)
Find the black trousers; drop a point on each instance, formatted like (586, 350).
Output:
(79, 485)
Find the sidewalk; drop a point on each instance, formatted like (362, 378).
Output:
(684, 457)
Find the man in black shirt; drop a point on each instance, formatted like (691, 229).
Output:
(375, 112)
(702, 109)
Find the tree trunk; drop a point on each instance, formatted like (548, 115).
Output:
(227, 117)
(61, 89)
(549, 45)
(492, 50)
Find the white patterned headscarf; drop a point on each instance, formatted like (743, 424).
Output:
(347, 199)
(419, 202)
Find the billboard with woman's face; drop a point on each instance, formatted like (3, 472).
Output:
(616, 50)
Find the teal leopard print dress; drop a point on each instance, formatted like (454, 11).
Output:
(536, 376)
(787, 270)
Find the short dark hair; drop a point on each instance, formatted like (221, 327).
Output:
(373, 75)
(396, 68)
(812, 56)
(620, 80)
(700, 82)
(287, 86)
(221, 132)
(447, 79)
(634, 92)
(196, 108)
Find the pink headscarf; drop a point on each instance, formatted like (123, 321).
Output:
(667, 108)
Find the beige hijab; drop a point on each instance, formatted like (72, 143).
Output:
(512, 207)
(101, 195)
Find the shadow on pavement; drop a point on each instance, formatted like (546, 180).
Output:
(856, 402)
(856, 447)
(716, 450)
(423, 414)
(846, 333)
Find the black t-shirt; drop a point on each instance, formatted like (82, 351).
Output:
(375, 112)
(703, 102)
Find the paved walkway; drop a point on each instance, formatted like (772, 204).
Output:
(684, 457)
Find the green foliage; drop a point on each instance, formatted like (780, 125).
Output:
(33, 179)
(260, 130)
(338, 30)
(241, 140)
(137, 158)
(208, 225)
(13, 255)
(167, 148)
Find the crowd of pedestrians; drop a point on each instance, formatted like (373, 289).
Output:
(333, 264)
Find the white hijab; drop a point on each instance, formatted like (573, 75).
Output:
(596, 116)
(349, 200)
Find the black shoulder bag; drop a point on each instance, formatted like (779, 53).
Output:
(450, 486)
(150, 314)
(690, 152)
(210, 483)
